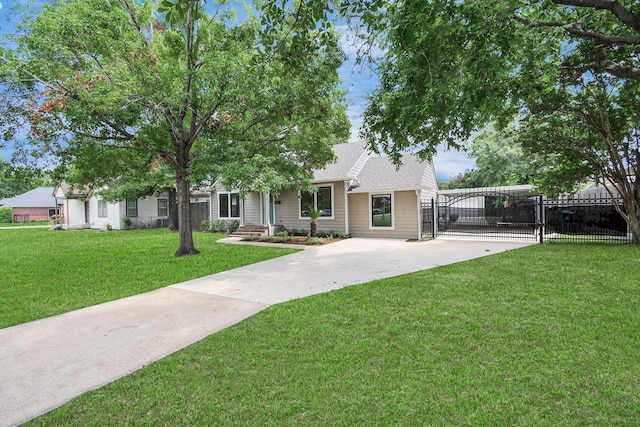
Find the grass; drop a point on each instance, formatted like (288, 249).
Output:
(545, 335)
(25, 224)
(48, 272)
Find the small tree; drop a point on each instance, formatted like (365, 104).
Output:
(6, 215)
(314, 214)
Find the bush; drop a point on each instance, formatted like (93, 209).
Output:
(315, 241)
(6, 215)
(453, 217)
(251, 238)
(126, 222)
(224, 226)
(205, 224)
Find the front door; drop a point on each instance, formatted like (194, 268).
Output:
(272, 210)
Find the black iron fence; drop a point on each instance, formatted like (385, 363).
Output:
(524, 216)
(594, 219)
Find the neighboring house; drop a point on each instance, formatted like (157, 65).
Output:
(35, 205)
(360, 194)
(85, 209)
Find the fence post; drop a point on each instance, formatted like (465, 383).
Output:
(541, 218)
(433, 219)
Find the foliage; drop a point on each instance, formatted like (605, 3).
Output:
(6, 214)
(500, 159)
(15, 180)
(116, 91)
(544, 335)
(205, 225)
(91, 268)
(568, 71)
(224, 226)
(314, 214)
(126, 223)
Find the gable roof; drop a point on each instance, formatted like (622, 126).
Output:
(41, 197)
(381, 174)
(371, 172)
(349, 160)
(65, 191)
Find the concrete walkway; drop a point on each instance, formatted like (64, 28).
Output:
(46, 363)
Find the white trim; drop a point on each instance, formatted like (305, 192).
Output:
(346, 207)
(393, 210)
(315, 202)
(419, 211)
(228, 217)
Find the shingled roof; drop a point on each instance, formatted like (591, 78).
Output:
(41, 197)
(371, 172)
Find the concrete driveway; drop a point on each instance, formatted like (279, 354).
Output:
(46, 363)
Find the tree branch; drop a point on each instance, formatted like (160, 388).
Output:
(623, 14)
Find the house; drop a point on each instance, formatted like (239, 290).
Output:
(361, 194)
(86, 209)
(35, 205)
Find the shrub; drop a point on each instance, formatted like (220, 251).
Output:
(453, 217)
(251, 238)
(205, 224)
(6, 215)
(224, 226)
(282, 237)
(126, 222)
(315, 241)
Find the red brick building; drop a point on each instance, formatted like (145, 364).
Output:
(35, 205)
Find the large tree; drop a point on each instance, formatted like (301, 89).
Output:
(15, 180)
(568, 70)
(115, 83)
(500, 160)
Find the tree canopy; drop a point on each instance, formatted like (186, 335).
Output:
(568, 71)
(15, 180)
(110, 87)
(500, 161)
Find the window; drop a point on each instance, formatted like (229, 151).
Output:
(102, 208)
(381, 211)
(163, 207)
(322, 199)
(132, 208)
(229, 205)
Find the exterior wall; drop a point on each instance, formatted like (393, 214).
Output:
(251, 209)
(112, 218)
(288, 215)
(405, 216)
(147, 215)
(31, 214)
(74, 217)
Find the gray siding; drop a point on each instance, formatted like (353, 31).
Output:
(288, 216)
(251, 209)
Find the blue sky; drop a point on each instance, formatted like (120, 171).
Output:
(358, 82)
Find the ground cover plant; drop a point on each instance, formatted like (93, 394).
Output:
(545, 335)
(48, 272)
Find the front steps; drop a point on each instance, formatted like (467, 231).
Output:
(248, 230)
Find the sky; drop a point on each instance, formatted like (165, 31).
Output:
(357, 81)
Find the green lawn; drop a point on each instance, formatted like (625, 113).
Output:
(46, 272)
(545, 335)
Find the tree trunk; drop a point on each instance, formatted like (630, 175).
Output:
(184, 215)
(173, 209)
(314, 228)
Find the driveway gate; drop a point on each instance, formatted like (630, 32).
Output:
(486, 214)
(521, 215)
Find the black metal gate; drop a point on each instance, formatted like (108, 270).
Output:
(487, 214)
(522, 215)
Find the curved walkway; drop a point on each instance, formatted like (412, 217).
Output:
(45, 363)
